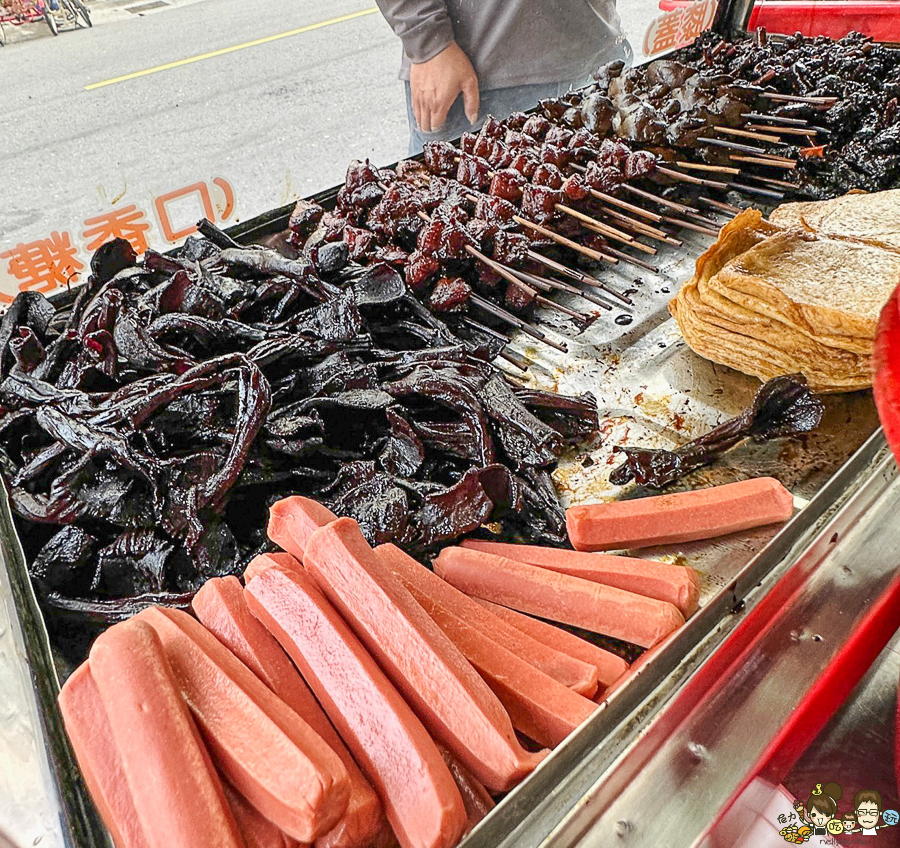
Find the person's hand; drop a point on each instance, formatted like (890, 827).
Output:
(435, 84)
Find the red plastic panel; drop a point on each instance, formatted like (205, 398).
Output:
(834, 18)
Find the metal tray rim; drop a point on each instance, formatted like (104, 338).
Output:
(82, 820)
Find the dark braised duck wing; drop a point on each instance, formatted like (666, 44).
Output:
(782, 407)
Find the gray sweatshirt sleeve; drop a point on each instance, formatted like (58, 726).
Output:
(423, 26)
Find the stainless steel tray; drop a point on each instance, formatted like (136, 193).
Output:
(42, 799)
(651, 390)
(753, 705)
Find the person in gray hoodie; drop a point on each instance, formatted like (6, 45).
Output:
(465, 59)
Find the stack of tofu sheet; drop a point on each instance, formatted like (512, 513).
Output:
(799, 292)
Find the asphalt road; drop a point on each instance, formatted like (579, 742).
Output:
(276, 120)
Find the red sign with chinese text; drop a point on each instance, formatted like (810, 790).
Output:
(679, 26)
(59, 260)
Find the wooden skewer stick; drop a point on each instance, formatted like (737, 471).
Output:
(624, 204)
(612, 232)
(631, 260)
(733, 145)
(617, 201)
(637, 245)
(699, 228)
(605, 229)
(638, 210)
(545, 301)
(473, 198)
(676, 175)
(785, 164)
(599, 227)
(558, 285)
(671, 219)
(580, 276)
(608, 231)
(726, 208)
(715, 184)
(511, 356)
(664, 201)
(772, 183)
(709, 223)
(690, 178)
(791, 123)
(776, 119)
(807, 132)
(716, 169)
(505, 273)
(763, 192)
(641, 227)
(537, 282)
(774, 139)
(547, 284)
(510, 275)
(465, 319)
(500, 312)
(515, 359)
(697, 217)
(515, 379)
(554, 236)
(796, 98)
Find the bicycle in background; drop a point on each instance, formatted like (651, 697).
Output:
(64, 14)
(58, 14)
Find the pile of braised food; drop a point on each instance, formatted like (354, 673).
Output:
(148, 423)
(857, 81)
